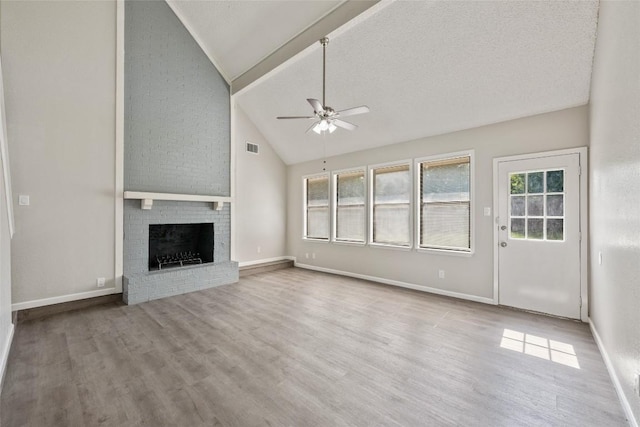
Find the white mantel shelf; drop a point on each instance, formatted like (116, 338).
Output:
(146, 199)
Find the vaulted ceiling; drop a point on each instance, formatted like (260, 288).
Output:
(423, 67)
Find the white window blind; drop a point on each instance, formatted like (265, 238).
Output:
(317, 207)
(350, 206)
(445, 204)
(391, 213)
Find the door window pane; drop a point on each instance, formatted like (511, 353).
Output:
(555, 181)
(555, 205)
(517, 228)
(535, 182)
(517, 206)
(555, 229)
(517, 183)
(534, 206)
(535, 228)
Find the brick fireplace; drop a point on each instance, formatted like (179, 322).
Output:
(177, 142)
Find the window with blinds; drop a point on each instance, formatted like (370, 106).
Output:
(391, 205)
(350, 206)
(317, 207)
(445, 204)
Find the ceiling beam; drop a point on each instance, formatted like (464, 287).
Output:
(332, 21)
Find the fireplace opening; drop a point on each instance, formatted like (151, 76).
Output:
(180, 245)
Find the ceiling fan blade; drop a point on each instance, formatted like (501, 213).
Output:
(317, 105)
(353, 111)
(344, 125)
(296, 117)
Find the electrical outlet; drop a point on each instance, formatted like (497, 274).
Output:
(306, 255)
(23, 200)
(259, 249)
(313, 255)
(440, 274)
(100, 282)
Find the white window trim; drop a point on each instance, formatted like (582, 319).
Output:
(304, 205)
(472, 193)
(370, 195)
(334, 206)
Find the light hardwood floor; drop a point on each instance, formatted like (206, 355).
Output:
(300, 348)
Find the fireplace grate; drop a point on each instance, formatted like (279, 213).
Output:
(181, 258)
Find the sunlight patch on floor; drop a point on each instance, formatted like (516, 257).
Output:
(543, 348)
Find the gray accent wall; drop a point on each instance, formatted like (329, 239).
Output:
(177, 140)
(177, 114)
(614, 183)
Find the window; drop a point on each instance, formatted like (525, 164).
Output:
(391, 205)
(536, 208)
(316, 195)
(349, 206)
(445, 203)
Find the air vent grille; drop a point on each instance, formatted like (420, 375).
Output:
(252, 148)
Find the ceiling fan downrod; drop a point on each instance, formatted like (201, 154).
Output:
(324, 42)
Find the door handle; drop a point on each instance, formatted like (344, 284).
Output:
(503, 227)
(503, 244)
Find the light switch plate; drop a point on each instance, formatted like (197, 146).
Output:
(487, 211)
(23, 200)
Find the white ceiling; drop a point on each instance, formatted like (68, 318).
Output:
(238, 34)
(424, 68)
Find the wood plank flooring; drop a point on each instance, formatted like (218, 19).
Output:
(300, 348)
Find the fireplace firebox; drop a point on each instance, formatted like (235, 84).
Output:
(180, 245)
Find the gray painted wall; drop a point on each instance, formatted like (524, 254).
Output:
(466, 275)
(59, 66)
(177, 127)
(177, 140)
(615, 190)
(261, 196)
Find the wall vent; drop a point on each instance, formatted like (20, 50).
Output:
(252, 148)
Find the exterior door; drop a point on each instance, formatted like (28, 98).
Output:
(539, 234)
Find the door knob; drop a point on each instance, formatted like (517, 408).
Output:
(503, 244)
(503, 227)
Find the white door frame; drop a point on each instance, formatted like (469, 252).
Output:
(583, 179)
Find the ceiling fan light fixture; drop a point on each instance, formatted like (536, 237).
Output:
(332, 127)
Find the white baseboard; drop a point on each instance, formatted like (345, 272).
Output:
(5, 354)
(400, 284)
(262, 261)
(614, 377)
(63, 298)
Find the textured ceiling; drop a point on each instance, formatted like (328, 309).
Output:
(238, 34)
(427, 68)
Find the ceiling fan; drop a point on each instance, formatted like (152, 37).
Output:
(328, 119)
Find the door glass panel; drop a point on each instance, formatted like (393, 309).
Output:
(535, 182)
(555, 181)
(534, 206)
(517, 228)
(535, 228)
(537, 205)
(517, 206)
(555, 205)
(555, 229)
(517, 183)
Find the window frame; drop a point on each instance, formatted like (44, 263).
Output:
(305, 206)
(334, 206)
(371, 189)
(418, 203)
